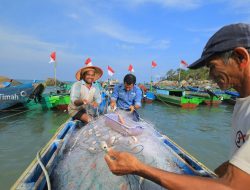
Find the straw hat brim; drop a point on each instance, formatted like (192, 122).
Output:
(98, 72)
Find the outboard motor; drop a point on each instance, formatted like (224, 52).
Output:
(36, 95)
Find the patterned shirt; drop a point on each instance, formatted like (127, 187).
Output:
(124, 99)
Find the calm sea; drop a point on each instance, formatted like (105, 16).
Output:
(204, 132)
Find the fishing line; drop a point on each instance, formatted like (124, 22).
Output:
(162, 101)
(14, 114)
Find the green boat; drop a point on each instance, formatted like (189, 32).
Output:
(211, 97)
(58, 98)
(56, 101)
(207, 99)
(177, 97)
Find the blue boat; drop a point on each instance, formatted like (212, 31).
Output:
(232, 94)
(13, 95)
(51, 157)
(149, 97)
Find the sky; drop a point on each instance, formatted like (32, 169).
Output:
(110, 32)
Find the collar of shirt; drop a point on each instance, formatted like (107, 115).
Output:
(84, 83)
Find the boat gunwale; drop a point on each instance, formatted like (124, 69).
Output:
(24, 176)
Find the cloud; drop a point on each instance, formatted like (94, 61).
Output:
(160, 44)
(24, 56)
(177, 4)
(203, 30)
(125, 46)
(102, 22)
(121, 33)
(241, 6)
(9, 37)
(74, 16)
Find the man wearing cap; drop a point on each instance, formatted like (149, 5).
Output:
(84, 94)
(227, 54)
(128, 95)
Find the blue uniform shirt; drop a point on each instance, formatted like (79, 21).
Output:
(124, 99)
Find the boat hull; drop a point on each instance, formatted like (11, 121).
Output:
(13, 95)
(150, 97)
(56, 101)
(179, 101)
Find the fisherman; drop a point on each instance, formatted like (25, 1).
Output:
(128, 95)
(227, 55)
(84, 93)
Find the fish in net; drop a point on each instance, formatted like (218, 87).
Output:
(82, 164)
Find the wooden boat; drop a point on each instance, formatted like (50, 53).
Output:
(149, 97)
(58, 101)
(233, 96)
(207, 99)
(13, 95)
(210, 97)
(33, 177)
(58, 98)
(177, 97)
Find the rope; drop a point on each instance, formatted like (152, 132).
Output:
(14, 110)
(14, 114)
(19, 108)
(44, 170)
(162, 101)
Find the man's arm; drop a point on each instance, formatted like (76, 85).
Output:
(114, 96)
(97, 98)
(75, 94)
(112, 103)
(138, 98)
(221, 169)
(121, 163)
(79, 102)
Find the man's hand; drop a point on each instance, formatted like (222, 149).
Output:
(132, 109)
(121, 163)
(84, 101)
(95, 104)
(112, 104)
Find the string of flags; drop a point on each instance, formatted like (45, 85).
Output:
(111, 71)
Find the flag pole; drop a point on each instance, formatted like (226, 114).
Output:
(179, 74)
(151, 80)
(55, 73)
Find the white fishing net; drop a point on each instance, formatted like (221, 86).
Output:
(82, 165)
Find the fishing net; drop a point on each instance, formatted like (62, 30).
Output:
(82, 164)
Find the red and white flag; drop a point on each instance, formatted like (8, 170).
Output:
(52, 57)
(111, 72)
(154, 64)
(184, 63)
(88, 62)
(130, 68)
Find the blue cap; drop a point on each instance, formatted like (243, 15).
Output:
(227, 38)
